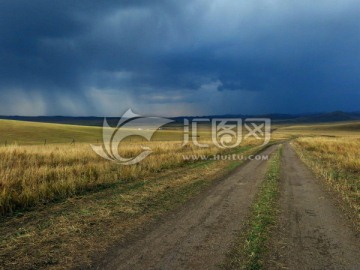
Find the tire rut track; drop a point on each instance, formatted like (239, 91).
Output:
(199, 234)
(312, 232)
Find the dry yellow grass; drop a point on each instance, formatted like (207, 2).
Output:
(344, 129)
(35, 174)
(32, 173)
(338, 161)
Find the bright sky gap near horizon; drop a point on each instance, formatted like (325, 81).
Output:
(173, 58)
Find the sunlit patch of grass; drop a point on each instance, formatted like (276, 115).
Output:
(39, 174)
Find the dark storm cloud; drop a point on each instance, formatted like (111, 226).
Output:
(95, 57)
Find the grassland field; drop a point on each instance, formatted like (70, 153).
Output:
(53, 190)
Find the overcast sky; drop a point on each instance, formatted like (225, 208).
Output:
(178, 57)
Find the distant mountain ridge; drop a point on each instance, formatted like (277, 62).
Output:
(329, 117)
(336, 116)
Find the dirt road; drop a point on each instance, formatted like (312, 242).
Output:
(199, 234)
(312, 232)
